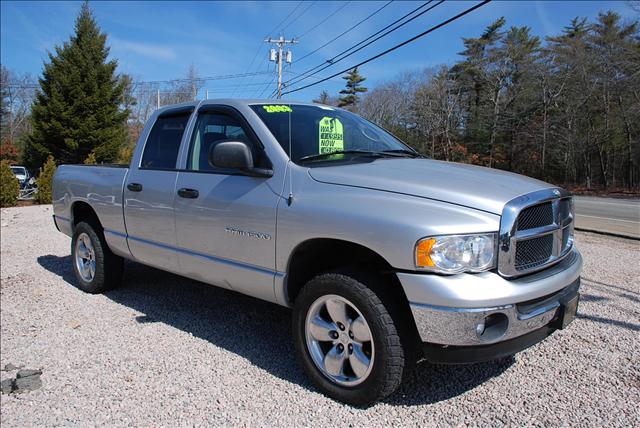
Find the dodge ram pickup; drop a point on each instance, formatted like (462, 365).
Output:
(385, 257)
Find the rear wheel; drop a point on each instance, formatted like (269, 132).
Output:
(96, 268)
(347, 340)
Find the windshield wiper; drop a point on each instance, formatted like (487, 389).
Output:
(341, 152)
(399, 153)
(403, 153)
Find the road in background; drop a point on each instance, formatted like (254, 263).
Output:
(608, 215)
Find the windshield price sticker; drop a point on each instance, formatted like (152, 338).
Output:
(331, 138)
(277, 109)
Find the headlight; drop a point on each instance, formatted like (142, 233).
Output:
(456, 253)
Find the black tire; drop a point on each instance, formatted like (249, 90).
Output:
(109, 267)
(391, 359)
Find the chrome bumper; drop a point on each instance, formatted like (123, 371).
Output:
(472, 310)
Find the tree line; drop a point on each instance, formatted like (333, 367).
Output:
(564, 109)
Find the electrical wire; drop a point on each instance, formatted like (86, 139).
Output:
(352, 50)
(324, 20)
(298, 17)
(414, 38)
(348, 30)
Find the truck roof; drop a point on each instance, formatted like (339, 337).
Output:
(234, 102)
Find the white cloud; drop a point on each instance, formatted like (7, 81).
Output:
(146, 49)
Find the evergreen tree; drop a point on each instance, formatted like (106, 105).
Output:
(78, 108)
(353, 88)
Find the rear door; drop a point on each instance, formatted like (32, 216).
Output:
(226, 221)
(149, 192)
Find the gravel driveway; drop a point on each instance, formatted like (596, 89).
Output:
(164, 351)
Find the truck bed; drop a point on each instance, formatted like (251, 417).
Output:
(101, 187)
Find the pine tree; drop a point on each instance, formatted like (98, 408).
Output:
(353, 88)
(78, 107)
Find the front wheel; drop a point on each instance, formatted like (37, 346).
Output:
(347, 340)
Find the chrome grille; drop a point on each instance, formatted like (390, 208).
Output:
(535, 231)
(535, 216)
(533, 252)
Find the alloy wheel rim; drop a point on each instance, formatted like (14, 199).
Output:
(339, 340)
(85, 257)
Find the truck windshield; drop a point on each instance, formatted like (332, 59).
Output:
(314, 134)
(18, 170)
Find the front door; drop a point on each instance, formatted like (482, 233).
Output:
(149, 194)
(225, 222)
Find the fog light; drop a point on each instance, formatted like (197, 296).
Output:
(493, 328)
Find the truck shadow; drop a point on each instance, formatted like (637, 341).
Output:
(256, 330)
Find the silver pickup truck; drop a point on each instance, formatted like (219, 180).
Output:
(386, 257)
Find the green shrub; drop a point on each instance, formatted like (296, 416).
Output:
(45, 181)
(9, 185)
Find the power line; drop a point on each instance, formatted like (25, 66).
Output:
(267, 86)
(352, 50)
(181, 80)
(286, 17)
(324, 20)
(219, 77)
(346, 31)
(255, 94)
(414, 38)
(311, 77)
(298, 17)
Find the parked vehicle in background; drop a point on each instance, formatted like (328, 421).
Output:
(22, 174)
(385, 257)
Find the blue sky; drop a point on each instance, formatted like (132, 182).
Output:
(159, 40)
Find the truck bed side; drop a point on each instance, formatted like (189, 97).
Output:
(100, 187)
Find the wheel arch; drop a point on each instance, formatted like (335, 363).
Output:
(82, 211)
(318, 255)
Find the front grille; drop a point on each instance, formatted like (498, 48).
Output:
(535, 216)
(535, 231)
(533, 252)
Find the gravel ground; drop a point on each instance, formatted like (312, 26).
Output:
(165, 351)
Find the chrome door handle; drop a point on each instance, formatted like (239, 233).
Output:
(134, 187)
(188, 193)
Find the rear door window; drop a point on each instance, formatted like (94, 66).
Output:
(163, 143)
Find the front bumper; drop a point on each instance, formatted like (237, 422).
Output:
(471, 310)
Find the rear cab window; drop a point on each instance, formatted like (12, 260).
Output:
(163, 144)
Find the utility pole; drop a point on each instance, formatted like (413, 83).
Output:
(277, 56)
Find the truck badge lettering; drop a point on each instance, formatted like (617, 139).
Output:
(247, 234)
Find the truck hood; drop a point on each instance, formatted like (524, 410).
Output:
(472, 186)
